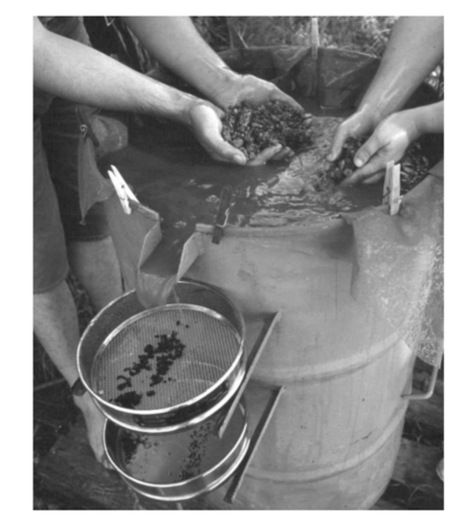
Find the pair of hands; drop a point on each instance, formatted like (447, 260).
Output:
(204, 119)
(388, 142)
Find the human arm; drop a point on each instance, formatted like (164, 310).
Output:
(79, 73)
(177, 45)
(391, 139)
(415, 48)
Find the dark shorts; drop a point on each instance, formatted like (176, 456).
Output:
(57, 215)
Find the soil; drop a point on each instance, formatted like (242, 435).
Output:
(344, 166)
(252, 128)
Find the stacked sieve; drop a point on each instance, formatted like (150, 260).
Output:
(170, 382)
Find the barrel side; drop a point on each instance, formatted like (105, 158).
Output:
(333, 440)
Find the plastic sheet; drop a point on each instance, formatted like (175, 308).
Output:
(399, 267)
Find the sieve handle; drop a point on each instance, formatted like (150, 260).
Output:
(253, 357)
(430, 390)
(259, 431)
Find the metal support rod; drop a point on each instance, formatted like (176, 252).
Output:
(253, 358)
(260, 429)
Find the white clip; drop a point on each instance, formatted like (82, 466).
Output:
(391, 192)
(124, 192)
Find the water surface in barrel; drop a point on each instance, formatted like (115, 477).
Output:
(173, 175)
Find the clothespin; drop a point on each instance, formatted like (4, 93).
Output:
(223, 214)
(124, 192)
(86, 128)
(391, 191)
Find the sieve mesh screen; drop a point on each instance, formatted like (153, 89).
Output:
(163, 358)
(178, 457)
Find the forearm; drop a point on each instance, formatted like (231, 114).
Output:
(415, 48)
(79, 73)
(176, 44)
(429, 118)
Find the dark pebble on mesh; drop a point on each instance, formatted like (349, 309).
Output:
(128, 399)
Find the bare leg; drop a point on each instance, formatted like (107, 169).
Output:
(56, 327)
(96, 266)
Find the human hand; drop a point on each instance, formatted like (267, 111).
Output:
(251, 89)
(256, 91)
(388, 143)
(94, 421)
(204, 119)
(360, 124)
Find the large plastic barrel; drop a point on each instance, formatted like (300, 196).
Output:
(334, 438)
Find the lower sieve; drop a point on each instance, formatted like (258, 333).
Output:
(180, 466)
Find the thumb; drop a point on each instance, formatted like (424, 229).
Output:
(366, 151)
(373, 168)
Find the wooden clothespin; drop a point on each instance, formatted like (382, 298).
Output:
(123, 191)
(223, 214)
(391, 191)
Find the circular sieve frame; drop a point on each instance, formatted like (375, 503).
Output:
(192, 487)
(230, 374)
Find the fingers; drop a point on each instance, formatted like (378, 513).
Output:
(220, 150)
(284, 97)
(370, 159)
(367, 150)
(284, 153)
(357, 126)
(94, 421)
(105, 462)
(374, 179)
(337, 143)
(207, 127)
(272, 93)
(269, 153)
(258, 91)
(371, 173)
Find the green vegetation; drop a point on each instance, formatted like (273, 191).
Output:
(361, 34)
